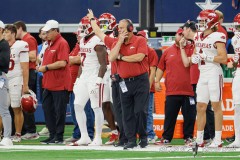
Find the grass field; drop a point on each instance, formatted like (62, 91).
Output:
(33, 150)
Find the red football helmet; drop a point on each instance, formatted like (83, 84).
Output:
(29, 102)
(107, 21)
(207, 19)
(236, 23)
(85, 25)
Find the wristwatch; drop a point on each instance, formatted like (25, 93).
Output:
(92, 19)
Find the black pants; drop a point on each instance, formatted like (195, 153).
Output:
(54, 107)
(134, 107)
(117, 111)
(209, 130)
(29, 125)
(173, 104)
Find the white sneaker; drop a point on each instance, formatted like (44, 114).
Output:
(152, 140)
(214, 144)
(6, 142)
(234, 145)
(44, 132)
(16, 138)
(30, 136)
(96, 142)
(81, 142)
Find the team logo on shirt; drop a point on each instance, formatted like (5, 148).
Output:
(52, 51)
(132, 47)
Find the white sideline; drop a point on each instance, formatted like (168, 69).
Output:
(150, 148)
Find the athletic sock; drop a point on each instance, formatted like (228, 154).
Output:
(236, 122)
(99, 119)
(199, 139)
(218, 137)
(81, 119)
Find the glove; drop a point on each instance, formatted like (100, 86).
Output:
(235, 58)
(99, 80)
(196, 59)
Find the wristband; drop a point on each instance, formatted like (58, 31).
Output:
(99, 80)
(210, 58)
(46, 68)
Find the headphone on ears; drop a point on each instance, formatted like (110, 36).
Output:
(130, 25)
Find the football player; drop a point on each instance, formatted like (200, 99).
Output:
(236, 82)
(210, 53)
(107, 23)
(18, 75)
(90, 84)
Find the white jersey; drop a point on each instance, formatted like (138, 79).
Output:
(88, 54)
(207, 45)
(19, 53)
(236, 42)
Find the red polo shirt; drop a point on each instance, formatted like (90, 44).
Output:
(109, 42)
(32, 43)
(137, 44)
(74, 68)
(177, 80)
(58, 79)
(153, 62)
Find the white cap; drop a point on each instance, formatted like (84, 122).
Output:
(50, 24)
(2, 25)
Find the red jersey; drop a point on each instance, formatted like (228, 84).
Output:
(137, 44)
(153, 62)
(32, 43)
(58, 79)
(177, 80)
(74, 68)
(108, 41)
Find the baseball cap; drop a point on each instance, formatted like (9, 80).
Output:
(50, 24)
(2, 25)
(190, 24)
(179, 31)
(143, 34)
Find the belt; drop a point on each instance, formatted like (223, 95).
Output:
(134, 78)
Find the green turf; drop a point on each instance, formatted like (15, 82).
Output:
(20, 154)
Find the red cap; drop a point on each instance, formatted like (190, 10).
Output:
(141, 33)
(179, 31)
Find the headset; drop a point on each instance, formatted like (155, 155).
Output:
(130, 25)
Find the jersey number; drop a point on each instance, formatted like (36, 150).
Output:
(11, 64)
(83, 56)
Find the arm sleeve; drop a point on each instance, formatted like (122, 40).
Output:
(109, 41)
(24, 57)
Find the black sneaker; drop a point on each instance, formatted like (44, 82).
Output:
(119, 144)
(46, 141)
(230, 139)
(56, 141)
(143, 143)
(130, 145)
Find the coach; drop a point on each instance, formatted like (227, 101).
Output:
(56, 78)
(132, 67)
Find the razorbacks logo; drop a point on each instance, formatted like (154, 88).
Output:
(223, 37)
(212, 14)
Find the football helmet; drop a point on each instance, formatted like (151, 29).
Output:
(207, 19)
(107, 22)
(29, 102)
(236, 23)
(85, 25)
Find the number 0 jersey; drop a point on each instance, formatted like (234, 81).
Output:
(19, 53)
